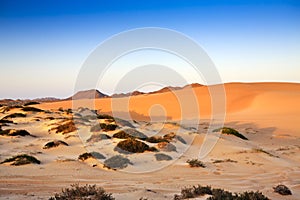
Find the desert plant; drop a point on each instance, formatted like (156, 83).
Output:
(103, 127)
(22, 159)
(54, 143)
(156, 139)
(230, 131)
(87, 192)
(259, 150)
(131, 146)
(14, 115)
(85, 156)
(31, 103)
(104, 116)
(117, 162)
(282, 189)
(217, 194)
(98, 137)
(161, 157)
(67, 127)
(32, 109)
(195, 163)
(14, 132)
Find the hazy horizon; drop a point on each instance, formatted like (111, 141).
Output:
(44, 44)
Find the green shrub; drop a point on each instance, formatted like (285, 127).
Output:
(195, 163)
(230, 131)
(131, 146)
(217, 194)
(87, 192)
(22, 159)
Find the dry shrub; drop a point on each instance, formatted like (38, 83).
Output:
(131, 146)
(22, 159)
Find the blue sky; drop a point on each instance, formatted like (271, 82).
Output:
(44, 43)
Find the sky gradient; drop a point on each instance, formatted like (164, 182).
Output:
(44, 43)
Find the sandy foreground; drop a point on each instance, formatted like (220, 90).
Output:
(266, 113)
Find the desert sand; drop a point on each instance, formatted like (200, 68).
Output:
(266, 113)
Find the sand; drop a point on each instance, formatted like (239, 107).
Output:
(266, 113)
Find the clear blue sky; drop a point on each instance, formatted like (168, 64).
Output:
(44, 43)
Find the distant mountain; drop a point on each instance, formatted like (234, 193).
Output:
(88, 94)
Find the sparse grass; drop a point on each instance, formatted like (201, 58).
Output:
(87, 192)
(195, 163)
(54, 143)
(131, 146)
(226, 160)
(218, 194)
(22, 159)
(32, 109)
(259, 150)
(230, 131)
(117, 162)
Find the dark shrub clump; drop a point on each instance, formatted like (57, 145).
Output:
(93, 154)
(13, 132)
(282, 189)
(105, 116)
(103, 127)
(230, 131)
(218, 194)
(132, 146)
(14, 115)
(195, 163)
(117, 162)
(67, 127)
(54, 143)
(32, 109)
(87, 192)
(22, 159)
(31, 103)
(155, 139)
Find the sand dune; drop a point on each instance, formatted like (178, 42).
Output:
(266, 113)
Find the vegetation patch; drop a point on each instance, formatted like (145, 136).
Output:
(6, 121)
(226, 160)
(156, 139)
(32, 109)
(196, 163)
(67, 127)
(230, 131)
(263, 151)
(170, 136)
(98, 137)
(131, 146)
(117, 162)
(282, 189)
(14, 115)
(103, 127)
(93, 154)
(161, 157)
(87, 192)
(22, 159)
(31, 103)
(54, 143)
(218, 194)
(166, 146)
(14, 132)
(104, 116)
